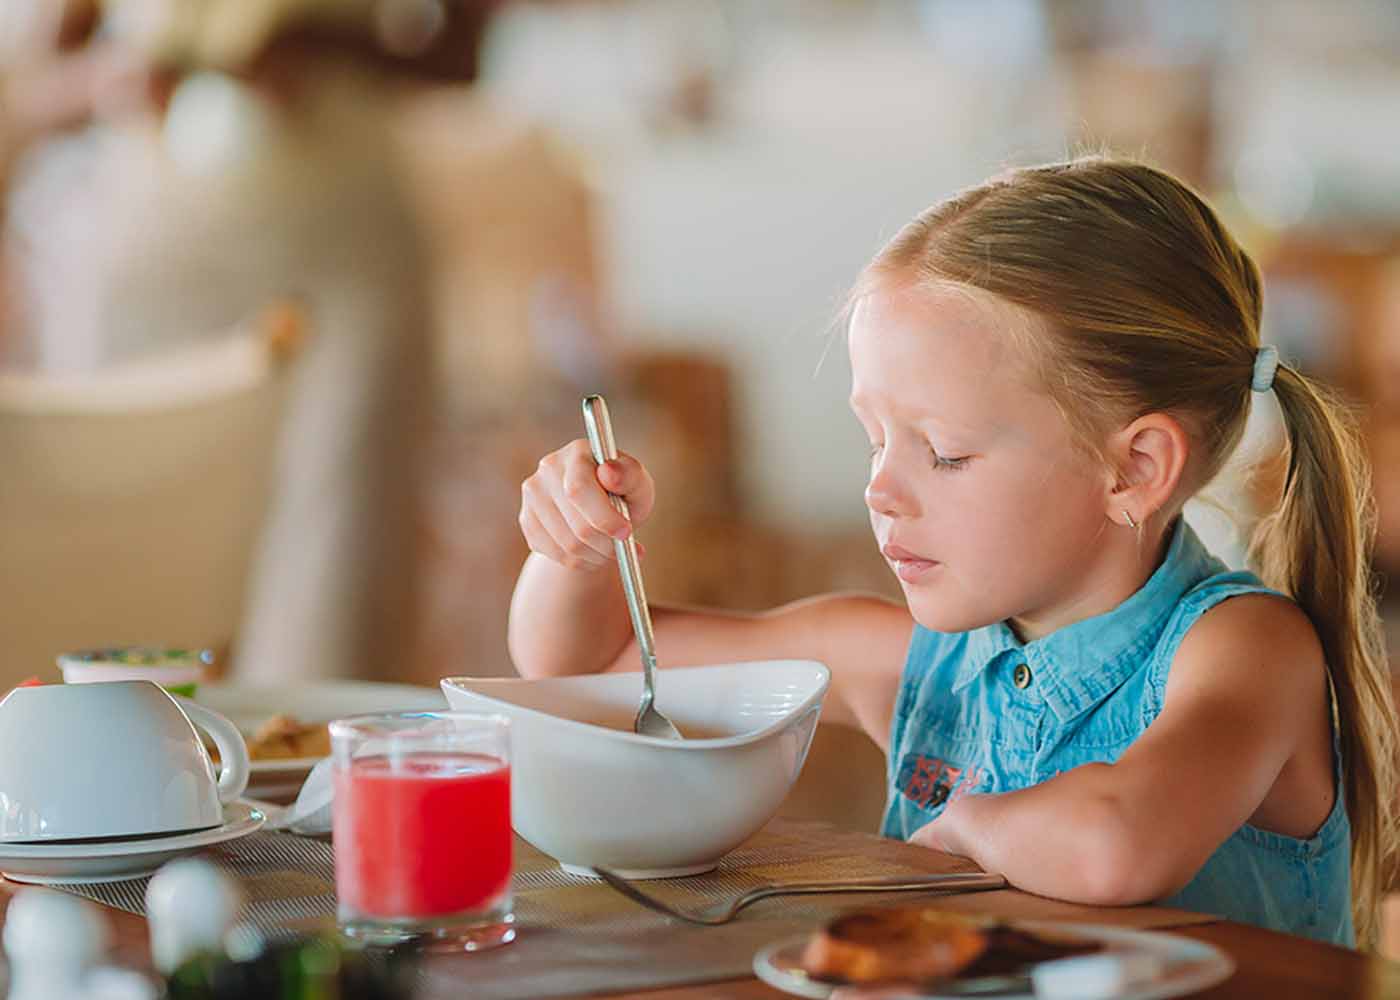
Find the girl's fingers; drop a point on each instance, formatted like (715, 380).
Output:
(628, 478)
(587, 484)
(579, 489)
(573, 552)
(566, 512)
(617, 476)
(585, 532)
(537, 538)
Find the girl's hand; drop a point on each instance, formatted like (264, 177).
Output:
(565, 513)
(946, 833)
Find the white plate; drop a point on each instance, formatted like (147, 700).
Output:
(116, 860)
(1188, 965)
(279, 769)
(248, 706)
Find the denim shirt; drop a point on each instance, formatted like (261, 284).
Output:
(981, 711)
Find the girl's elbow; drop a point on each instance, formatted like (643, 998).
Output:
(531, 664)
(1120, 866)
(529, 657)
(518, 649)
(1111, 882)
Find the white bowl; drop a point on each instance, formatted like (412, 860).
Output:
(588, 791)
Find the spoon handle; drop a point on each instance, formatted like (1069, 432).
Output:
(604, 447)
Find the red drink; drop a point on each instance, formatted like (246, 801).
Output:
(422, 836)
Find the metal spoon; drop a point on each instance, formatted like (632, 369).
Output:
(650, 721)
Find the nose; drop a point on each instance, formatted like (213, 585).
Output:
(883, 494)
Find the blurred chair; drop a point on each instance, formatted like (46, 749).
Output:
(132, 497)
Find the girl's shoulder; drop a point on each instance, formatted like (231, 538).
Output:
(1231, 631)
(1260, 622)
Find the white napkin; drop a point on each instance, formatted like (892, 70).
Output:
(311, 812)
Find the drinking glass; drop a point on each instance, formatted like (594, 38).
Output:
(421, 826)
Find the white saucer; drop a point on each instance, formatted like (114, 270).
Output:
(118, 860)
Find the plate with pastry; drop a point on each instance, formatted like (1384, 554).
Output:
(926, 953)
(285, 725)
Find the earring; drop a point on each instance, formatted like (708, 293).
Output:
(1129, 518)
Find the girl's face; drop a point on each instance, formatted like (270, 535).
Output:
(978, 498)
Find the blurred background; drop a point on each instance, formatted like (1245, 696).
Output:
(463, 215)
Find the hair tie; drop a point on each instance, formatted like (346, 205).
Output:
(1265, 367)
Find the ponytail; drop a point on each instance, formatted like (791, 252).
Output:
(1316, 548)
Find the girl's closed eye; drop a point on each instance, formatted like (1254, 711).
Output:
(939, 461)
(947, 462)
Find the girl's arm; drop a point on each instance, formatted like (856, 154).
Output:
(569, 614)
(1247, 694)
(862, 639)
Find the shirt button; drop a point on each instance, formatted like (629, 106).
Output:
(1021, 676)
(939, 794)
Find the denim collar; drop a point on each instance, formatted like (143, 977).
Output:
(1077, 666)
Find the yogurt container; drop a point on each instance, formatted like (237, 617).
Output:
(179, 671)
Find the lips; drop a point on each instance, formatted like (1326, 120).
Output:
(895, 553)
(908, 566)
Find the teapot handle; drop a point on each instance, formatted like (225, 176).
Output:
(233, 750)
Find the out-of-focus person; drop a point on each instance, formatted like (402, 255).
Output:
(53, 77)
(247, 156)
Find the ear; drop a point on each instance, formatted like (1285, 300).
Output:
(1149, 456)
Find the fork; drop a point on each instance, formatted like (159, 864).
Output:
(725, 911)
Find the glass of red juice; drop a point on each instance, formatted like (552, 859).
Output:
(421, 828)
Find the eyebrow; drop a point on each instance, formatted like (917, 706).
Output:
(857, 403)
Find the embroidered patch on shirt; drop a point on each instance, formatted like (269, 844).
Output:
(929, 782)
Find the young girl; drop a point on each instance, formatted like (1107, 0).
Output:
(1078, 695)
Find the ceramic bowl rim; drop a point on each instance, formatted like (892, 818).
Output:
(617, 735)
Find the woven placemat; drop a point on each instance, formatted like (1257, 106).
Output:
(578, 937)
(289, 882)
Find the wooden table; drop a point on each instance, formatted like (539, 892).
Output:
(1271, 966)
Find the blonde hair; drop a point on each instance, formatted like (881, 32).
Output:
(1153, 307)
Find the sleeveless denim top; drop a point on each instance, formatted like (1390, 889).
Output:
(981, 711)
